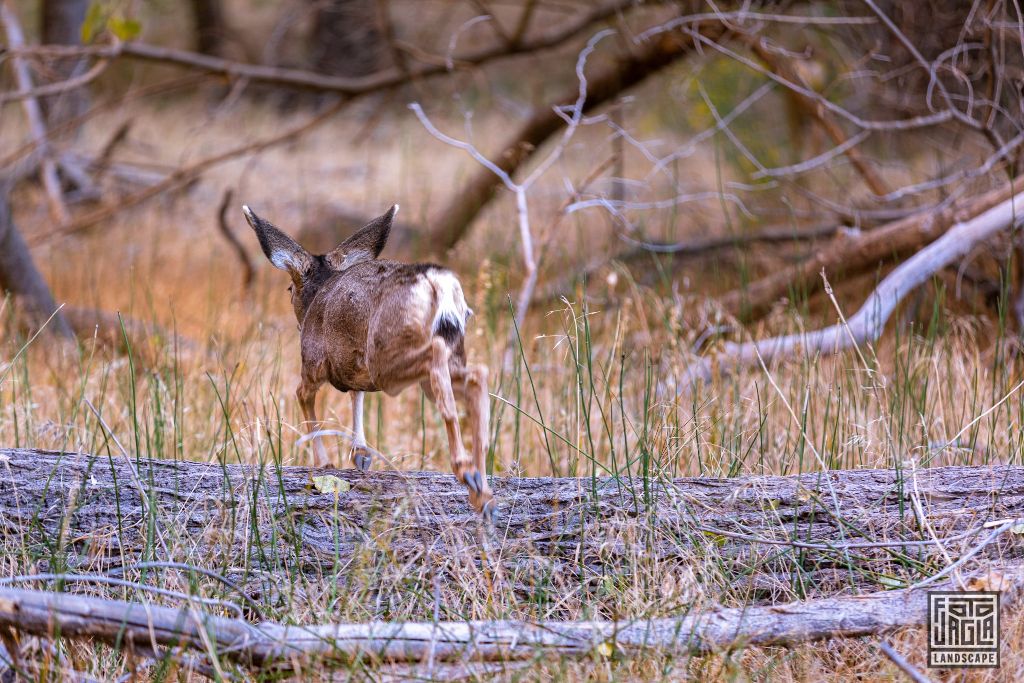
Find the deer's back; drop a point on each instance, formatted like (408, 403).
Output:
(360, 314)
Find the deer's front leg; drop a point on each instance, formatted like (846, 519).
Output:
(361, 455)
(306, 393)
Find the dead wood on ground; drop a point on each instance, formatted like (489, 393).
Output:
(868, 323)
(267, 644)
(554, 530)
(849, 254)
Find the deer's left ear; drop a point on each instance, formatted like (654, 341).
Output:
(366, 244)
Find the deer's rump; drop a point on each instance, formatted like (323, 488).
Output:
(371, 322)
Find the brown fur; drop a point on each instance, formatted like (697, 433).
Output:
(372, 325)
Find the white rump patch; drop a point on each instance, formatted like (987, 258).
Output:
(451, 303)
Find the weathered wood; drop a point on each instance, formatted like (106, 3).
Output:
(247, 518)
(36, 122)
(20, 277)
(849, 254)
(116, 622)
(868, 323)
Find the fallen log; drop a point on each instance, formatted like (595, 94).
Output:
(867, 324)
(820, 532)
(850, 254)
(125, 624)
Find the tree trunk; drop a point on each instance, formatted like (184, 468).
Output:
(565, 531)
(21, 279)
(346, 38)
(62, 25)
(210, 26)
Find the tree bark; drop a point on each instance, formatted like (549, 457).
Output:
(61, 24)
(210, 26)
(249, 518)
(20, 277)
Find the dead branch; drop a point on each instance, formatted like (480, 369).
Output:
(640, 252)
(569, 530)
(648, 59)
(282, 646)
(103, 159)
(248, 270)
(780, 66)
(852, 253)
(902, 664)
(36, 122)
(188, 174)
(867, 324)
(72, 83)
(572, 116)
(771, 235)
(308, 80)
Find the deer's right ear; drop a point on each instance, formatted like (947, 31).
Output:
(284, 252)
(366, 244)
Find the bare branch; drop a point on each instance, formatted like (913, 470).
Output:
(521, 189)
(183, 176)
(57, 88)
(866, 124)
(781, 67)
(643, 62)
(851, 253)
(37, 127)
(248, 271)
(768, 236)
(308, 80)
(867, 323)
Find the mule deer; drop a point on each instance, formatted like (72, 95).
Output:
(368, 324)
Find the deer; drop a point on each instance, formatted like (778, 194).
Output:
(368, 324)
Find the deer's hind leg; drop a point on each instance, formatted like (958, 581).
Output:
(306, 393)
(470, 382)
(464, 467)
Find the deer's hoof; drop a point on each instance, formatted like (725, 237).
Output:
(474, 481)
(490, 511)
(363, 459)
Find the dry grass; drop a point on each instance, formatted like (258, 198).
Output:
(591, 391)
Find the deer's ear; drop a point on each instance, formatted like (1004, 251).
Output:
(284, 252)
(366, 244)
